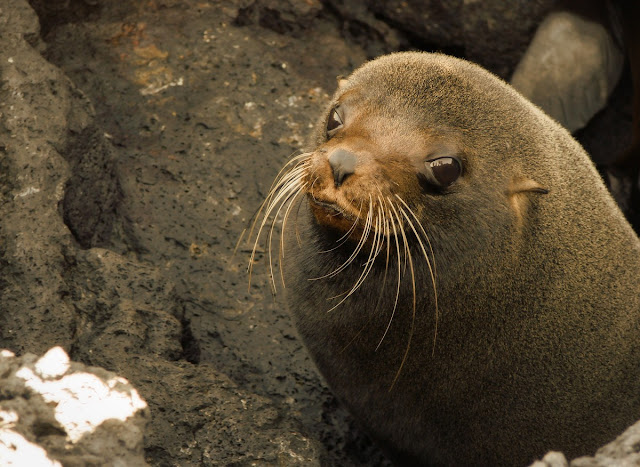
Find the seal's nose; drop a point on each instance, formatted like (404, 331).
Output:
(343, 164)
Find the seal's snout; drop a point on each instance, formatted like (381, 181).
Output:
(343, 164)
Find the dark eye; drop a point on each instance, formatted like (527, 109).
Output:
(443, 171)
(334, 122)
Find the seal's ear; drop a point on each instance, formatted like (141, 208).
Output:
(526, 185)
(518, 192)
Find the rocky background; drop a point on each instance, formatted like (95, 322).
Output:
(137, 139)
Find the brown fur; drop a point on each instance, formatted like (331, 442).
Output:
(538, 275)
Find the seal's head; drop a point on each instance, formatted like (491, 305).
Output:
(407, 136)
(410, 148)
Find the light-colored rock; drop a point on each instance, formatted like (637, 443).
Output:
(624, 451)
(551, 459)
(57, 412)
(570, 69)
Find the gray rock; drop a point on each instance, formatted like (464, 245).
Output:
(19, 20)
(497, 33)
(60, 286)
(288, 16)
(570, 69)
(34, 110)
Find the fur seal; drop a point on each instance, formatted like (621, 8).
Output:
(457, 269)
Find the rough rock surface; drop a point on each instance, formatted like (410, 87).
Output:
(55, 412)
(136, 141)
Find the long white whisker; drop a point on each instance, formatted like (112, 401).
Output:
(289, 184)
(292, 178)
(413, 286)
(280, 180)
(368, 264)
(284, 224)
(363, 239)
(395, 303)
(431, 271)
(385, 233)
(424, 234)
(286, 191)
(361, 242)
(292, 194)
(342, 240)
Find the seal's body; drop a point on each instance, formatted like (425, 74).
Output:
(458, 271)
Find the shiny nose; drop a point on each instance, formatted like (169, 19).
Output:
(343, 164)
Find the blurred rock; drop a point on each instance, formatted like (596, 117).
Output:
(492, 33)
(552, 459)
(622, 452)
(284, 17)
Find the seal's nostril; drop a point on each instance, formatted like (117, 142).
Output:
(343, 163)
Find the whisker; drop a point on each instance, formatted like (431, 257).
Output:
(295, 225)
(313, 184)
(284, 185)
(385, 233)
(368, 264)
(341, 241)
(284, 192)
(299, 158)
(288, 185)
(413, 287)
(431, 270)
(361, 242)
(239, 242)
(287, 197)
(278, 182)
(385, 240)
(284, 224)
(424, 233)
(373, 253)
(395, 303)
(358, 248)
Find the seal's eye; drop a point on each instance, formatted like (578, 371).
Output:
(443, 171)
(334, 122)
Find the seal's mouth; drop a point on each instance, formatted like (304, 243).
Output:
(331, 208)
(331, 214)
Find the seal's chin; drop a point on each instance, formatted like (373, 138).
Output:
(330, 214)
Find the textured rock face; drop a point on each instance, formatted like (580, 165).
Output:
(131, 159)
(33, 176)
(111, 228)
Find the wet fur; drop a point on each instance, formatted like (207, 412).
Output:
(537, 345)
